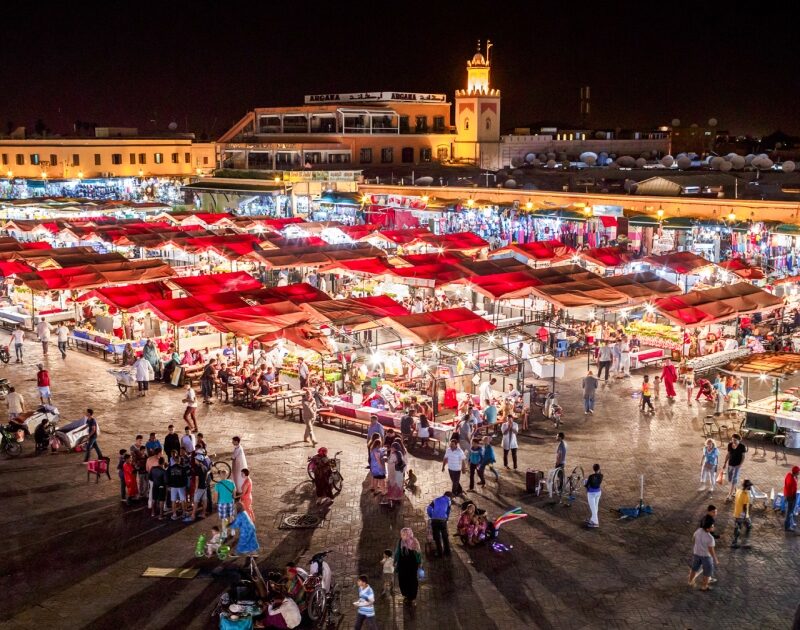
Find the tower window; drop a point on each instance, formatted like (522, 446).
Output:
(488, 123)
(466, 123)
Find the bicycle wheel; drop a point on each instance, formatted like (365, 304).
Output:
(336, 481)
(316, 604)
(219, 470)
(310, 471)
(12, 448)
(576, 479)
(558, 482)
(336, 601)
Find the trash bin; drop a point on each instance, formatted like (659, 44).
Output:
(792, 439)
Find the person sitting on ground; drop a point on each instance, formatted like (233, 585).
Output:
(466, 521)
(294, 581)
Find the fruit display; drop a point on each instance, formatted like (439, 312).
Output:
(656, 335)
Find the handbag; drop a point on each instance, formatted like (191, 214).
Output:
(721, 477)
(420, 574)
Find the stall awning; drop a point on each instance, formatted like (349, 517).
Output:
(679, 262)
(503, 286)
(459, 241)
(92, 276)
(360, 232)
(435, 275)
(217, 283)
(607, 257)
(493, 266)
(444, 258)
(716, 305)
(445, 325)
(743, 269)
(540, 251)
(367, 266)
(354, 313)
(771, 364)
(299, 293)
(642, 286)
(127, 298)
(403, 237)
(592, 292)
(188, 310)
(258, 320)
(13, 267)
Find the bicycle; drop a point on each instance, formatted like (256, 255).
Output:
(336, 475)
(219, 470)
(559, 485)
(324, 608)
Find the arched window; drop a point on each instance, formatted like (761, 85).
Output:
(466, 123)
(488, 123)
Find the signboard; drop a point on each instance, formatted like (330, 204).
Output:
(371, 97)
(606, 211)
(398, 201)
(320, 176)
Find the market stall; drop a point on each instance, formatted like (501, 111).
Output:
(536, 253)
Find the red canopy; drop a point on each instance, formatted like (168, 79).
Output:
(743, 269)
(299, 293)
(679, 262)
(369, 266)
(258, 320)
(403, 237)
(504, 286)
(13, 267)
(92, 276)
(188, 310)
(129, 297)
(359, 232)
(445, 258)
(354, 312)
(217, 283)
(450, 323)
(716, 305)
(458, 241)
(607, 256)
(539, 251)
(434, 275)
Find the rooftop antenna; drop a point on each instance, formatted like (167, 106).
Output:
(489, 45)
(479, 45)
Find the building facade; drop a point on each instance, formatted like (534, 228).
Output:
(77, 158)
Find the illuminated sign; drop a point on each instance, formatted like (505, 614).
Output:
(362, 97)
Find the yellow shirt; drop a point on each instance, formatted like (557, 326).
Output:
(645, 389)
(742, 501)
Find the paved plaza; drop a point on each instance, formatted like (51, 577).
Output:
(74, 554)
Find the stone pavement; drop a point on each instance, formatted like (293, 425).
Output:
(74, 554)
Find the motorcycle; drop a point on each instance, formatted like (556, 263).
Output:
(5, 354)
(9, 441)
(5, 387)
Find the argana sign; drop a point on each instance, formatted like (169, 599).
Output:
(413, 97)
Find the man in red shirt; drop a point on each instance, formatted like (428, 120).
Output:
(43, 384)
(790, 495)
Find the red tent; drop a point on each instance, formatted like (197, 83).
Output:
(261, 319)
(504, 286)
(451, 323)
(359, 232)
(13, 267)
(299, 293)
(743, 269)
(434, 275)
(92, 276)
(607, 256)
(445, 258)
(369, 266)
(403, 237)
(129, 297)
(716, 305)
(458, 241)
(539, 251)
(679, 262)
(355, 312)
(217, 283)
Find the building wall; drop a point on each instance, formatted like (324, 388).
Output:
(98, 157)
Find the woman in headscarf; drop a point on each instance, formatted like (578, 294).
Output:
(245, 531)
(407, 560)
(322, 476)
(151, 354)
(128, 355)
(395, 474)
(669, 376)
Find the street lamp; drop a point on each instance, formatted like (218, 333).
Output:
(10, 174)
(80, 174)
(529, 205)
(660, 214)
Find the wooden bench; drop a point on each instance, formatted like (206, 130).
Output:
(89, 344)
(362, 425)
(295, 408)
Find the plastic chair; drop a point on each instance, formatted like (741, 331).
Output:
(562, 347)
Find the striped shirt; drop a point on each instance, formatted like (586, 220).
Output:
(368, 595)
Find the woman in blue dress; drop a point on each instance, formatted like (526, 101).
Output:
(247, 543)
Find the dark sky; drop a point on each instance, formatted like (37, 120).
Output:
(647, 63)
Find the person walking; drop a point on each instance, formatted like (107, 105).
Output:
(308, 411)
(475, 460)
(509, 430)
(302, 372)
(704, 555)
(647, 395)
(18, 338)
(624, 357)
(407, 561)
(439, 512)
(790, 496)
(708, 466)
(593, 493)
(144, 374)
(604, 358)
(488, 460)
(589, 385)
(454, 459)
(365, 605)
(43, 330)
(62, 338)
(561, 452)
(741, 513)
(733, 462)
(225, 490)
(669, 376)
(94, 431)
(43, 384)
(190, 413)
(207, 379)
(238, 462)
(172, 442)
(396, 466)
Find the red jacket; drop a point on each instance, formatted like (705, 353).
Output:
(42, 379)
(789, 486)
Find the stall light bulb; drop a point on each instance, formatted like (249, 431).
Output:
(649, 308)
(491, 338)
(762, 377)
(434, 347)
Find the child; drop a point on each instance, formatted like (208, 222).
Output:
(214, 544)
(121, 472)
(689, 387)
(657, 387)
(489, 458)
(387, 562)
(646, 393)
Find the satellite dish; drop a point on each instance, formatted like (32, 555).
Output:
(738, 162)
(789, 166)
(424, 181)
(510, 183)
(515, 162)
(712, 122)
(536, 162)
(684, 163)
(668, 160)
(626, 161)
(173, 126)
(587, 155)
(551, 163)
(517, 173)
(640, 162)
(748, 159)
(716, 162)
(530, 158)
(725, 167)
(676, 122)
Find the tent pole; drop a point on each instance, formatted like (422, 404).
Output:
(177, 338)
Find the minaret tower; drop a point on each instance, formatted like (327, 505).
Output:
(478, 113)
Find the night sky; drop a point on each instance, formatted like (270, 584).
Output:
(151, 64)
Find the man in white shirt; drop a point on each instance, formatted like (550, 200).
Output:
(187, 441)
(486, 390)
(454, 459)
(43, 331)
(16, 403)
(731, 344)
(62, 336)
(302, 372)
(17, 338)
